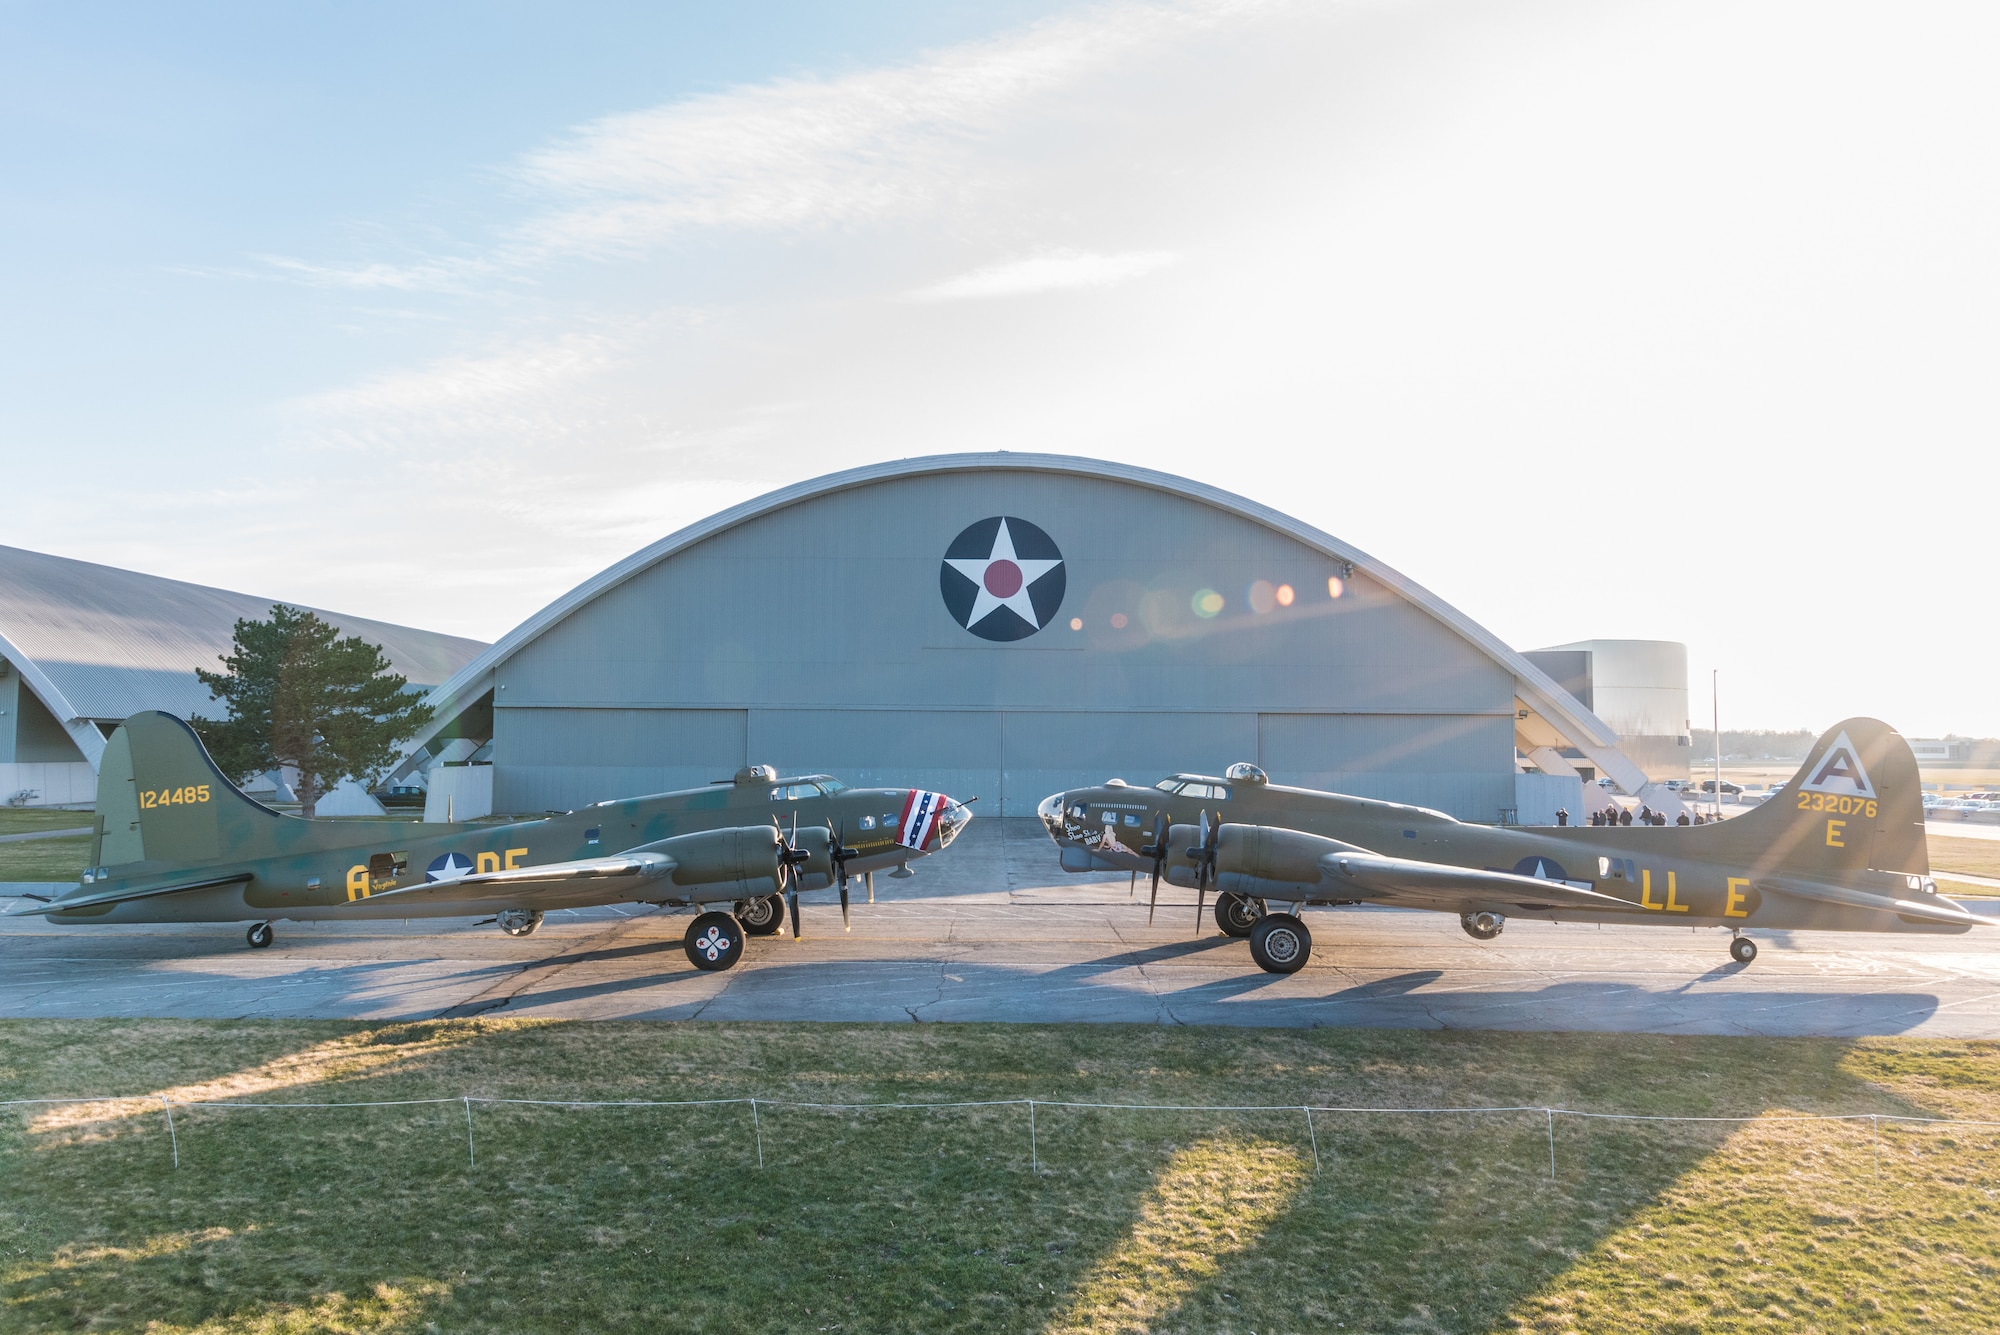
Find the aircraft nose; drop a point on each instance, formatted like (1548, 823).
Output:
(1049, 811)
(955, 817)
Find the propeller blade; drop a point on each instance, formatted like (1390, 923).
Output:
(1157, 850)
(1200, 903)
(1132, 890)
(792, 902)
(845, 924)
(868, 878)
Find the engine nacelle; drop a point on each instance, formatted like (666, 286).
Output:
(746, 856)
(1259, 861)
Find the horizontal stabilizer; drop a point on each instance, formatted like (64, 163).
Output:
(1927, 908)
(526, 880)
(1434, 885)
(121, 896)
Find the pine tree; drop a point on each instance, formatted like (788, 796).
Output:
(299, 695)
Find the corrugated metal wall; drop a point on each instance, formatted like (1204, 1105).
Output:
(817, 639)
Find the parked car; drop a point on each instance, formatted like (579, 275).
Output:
(402, 795)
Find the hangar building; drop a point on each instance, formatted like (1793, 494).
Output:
(1639, 688)
(1001, 626)
(83, 645)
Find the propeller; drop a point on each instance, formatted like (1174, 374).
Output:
(1203, 857)
(1157, 850)
(837, 849)
(791, 858)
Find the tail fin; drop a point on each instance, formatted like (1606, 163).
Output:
(1856, 804)
(161, 799)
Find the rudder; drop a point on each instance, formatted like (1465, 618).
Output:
(160, 797)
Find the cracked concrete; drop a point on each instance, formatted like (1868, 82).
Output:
(992, 931)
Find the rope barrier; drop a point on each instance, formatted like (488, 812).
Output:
(758, 1104)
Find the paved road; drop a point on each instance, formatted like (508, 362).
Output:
(991, 931)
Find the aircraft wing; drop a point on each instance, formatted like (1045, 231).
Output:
(120, 896)
(528, 883)
(1435, 885)
(1928, 908)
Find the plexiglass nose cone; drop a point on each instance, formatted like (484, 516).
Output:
(956, 817)
(1050, 812)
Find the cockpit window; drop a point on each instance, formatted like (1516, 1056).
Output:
(1206, 790)
(1168, 785)
(831, 786)
(792, 792)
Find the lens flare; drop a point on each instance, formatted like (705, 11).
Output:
(1076, 623)
(1285, 595)
(1262, 597)
(1207, 602)
(1334, 587)
(1118, 621)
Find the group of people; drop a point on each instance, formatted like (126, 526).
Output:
(1617, 815)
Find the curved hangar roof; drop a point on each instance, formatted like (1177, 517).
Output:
(95, 643)
(1019, 622)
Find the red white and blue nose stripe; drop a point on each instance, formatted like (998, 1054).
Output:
(921, 810)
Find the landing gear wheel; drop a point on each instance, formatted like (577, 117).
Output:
(1482, 926)
(1742, 949)
(259, 935)
(1236, 914)
(1280, 943)
(519, 922)
(714, 942)
(762, 916)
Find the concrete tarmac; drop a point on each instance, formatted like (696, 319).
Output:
(991, 930)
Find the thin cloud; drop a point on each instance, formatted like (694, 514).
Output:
(809, 154)
(531, 388)
(794, 155)
(1053, 272)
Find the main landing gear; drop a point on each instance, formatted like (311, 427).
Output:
(518, 922)
(1742, 949)
(714, 942)
(1280, 943)
(259, 935)
(762, 916)
(1237, 915)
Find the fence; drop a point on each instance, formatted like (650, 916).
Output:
(754, 1104)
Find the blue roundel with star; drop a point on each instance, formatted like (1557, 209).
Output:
(449, 867)
(1002, 578)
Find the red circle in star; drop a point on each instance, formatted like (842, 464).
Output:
(1003, 579)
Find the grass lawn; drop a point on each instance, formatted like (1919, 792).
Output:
(659, 1218)
(1979, 857)
(45, 859)
(35, 820)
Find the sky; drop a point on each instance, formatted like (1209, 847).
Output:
(1600, 320)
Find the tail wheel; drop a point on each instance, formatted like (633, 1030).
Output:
(259, 935)
(1237, 914)
(1742, 949)
(762, 916)
(714, 942)
(1280, 943)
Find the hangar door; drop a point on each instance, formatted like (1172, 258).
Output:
(1008, 760)
(562, 759)
(1460, 764)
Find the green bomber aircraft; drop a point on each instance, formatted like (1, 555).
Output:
(177, 842)
(1840, 847)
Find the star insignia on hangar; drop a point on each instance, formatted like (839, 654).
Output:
(1003, 578)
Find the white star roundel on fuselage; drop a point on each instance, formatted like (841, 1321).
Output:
(449, 867)
(1003, 578)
